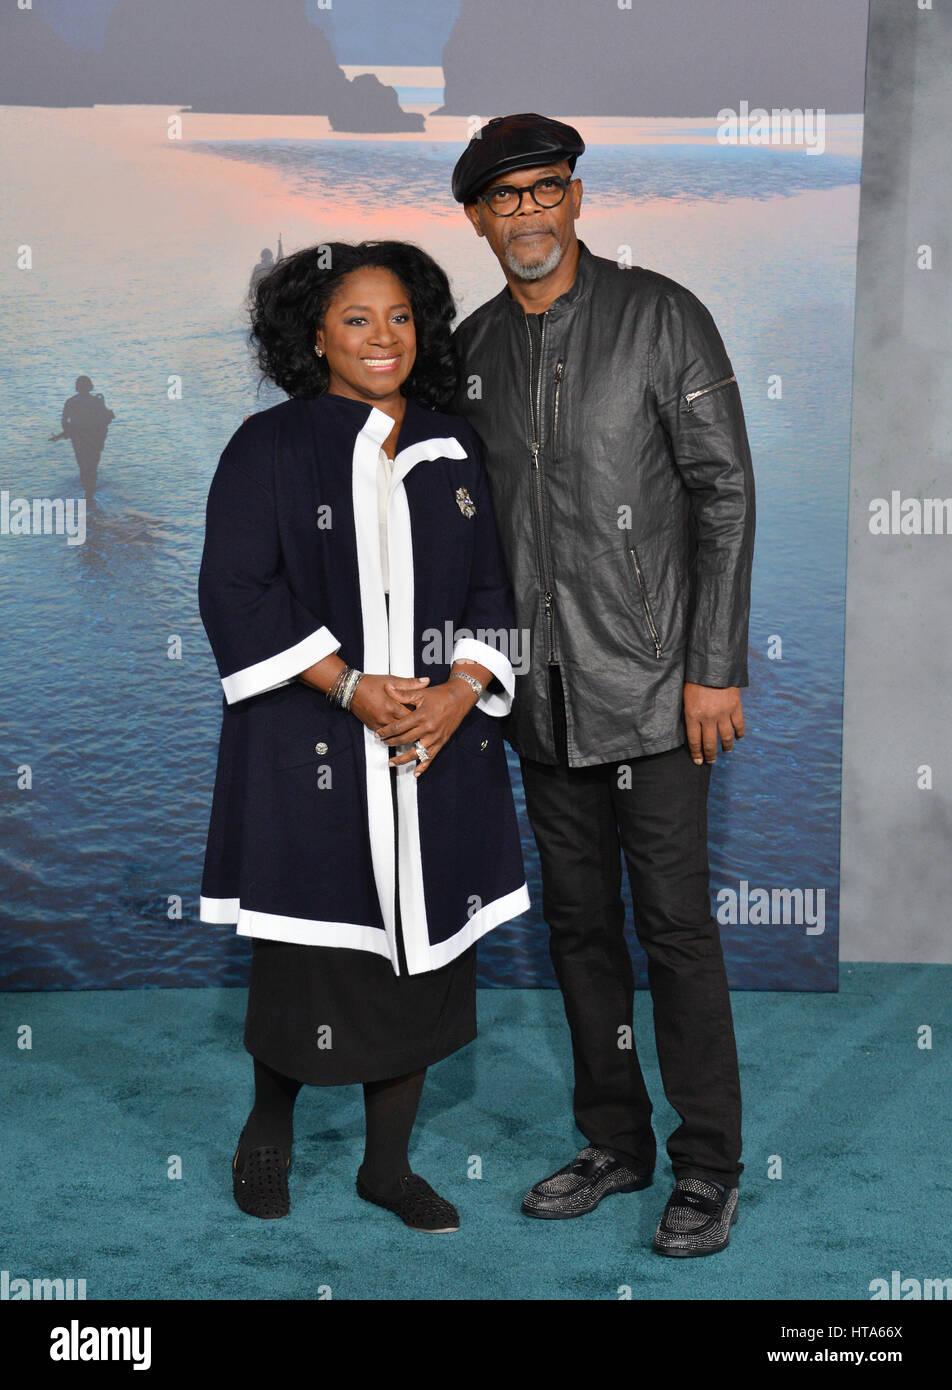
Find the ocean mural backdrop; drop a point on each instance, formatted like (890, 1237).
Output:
(139, 198)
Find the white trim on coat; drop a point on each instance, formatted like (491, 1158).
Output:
(306, 931)
(389, 647)
(218, 910)
(375, 658)
(490, 702)
(274, 926)
(500, 910)
(413, 918)
(279, 669)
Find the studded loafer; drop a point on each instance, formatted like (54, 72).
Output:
(261, 1185)
(579, 1187)
(418, 1206)
(697, 1218)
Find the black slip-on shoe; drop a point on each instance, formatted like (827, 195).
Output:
(697, 1218)
(261, 1185)
(418, 1206)
(579, 1187)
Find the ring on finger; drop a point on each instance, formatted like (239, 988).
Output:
(422, 755)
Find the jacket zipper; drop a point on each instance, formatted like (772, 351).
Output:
(645, 604)
(536, 417)
(555, 414)
(692, 396)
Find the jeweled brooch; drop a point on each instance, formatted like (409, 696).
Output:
(465, 503)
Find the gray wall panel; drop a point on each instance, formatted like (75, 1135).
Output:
(896, 859)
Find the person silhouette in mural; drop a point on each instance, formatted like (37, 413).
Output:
(266, 264)
(85, 422)
(621, 477)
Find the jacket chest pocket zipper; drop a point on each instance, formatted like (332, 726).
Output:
(692, 396)
(559, 368)
(644, 601)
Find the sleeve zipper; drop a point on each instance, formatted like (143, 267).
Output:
(692, 396)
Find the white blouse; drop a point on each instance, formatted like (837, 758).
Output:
(384, 471)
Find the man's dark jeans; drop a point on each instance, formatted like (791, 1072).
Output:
(655, 809)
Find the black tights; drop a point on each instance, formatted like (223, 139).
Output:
(390, 1107)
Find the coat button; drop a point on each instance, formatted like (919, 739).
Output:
(484, 744)
(320, 748)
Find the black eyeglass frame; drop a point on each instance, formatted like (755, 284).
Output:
(529, 188)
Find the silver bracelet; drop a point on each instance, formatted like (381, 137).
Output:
(347, 694)
(342, 691)
(347, 689)
(334, 691)
(470, 680)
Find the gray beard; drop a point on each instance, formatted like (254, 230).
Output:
(537, 271)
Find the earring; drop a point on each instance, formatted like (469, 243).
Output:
(319, 351)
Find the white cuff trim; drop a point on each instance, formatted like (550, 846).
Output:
(490, 702)
(281, 669)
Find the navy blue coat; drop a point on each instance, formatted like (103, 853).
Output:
(301, 839)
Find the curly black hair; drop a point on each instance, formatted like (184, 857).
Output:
(290, 301)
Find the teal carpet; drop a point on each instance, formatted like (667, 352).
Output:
(118, 1082)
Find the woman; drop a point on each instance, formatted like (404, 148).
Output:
(363, 831)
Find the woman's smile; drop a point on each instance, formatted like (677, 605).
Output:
(381, 364)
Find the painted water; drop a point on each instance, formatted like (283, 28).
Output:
(141, 251)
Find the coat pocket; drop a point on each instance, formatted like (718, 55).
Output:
(297, 749)
(477, 735)
(645, 601)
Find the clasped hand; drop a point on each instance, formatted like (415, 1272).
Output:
(406, 710)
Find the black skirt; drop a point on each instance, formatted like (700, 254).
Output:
(331, 1016)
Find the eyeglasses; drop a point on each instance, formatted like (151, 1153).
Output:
(505, 199)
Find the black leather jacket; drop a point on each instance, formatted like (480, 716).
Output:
(624, 497)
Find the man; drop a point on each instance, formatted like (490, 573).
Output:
(85, 421)
(623, 491)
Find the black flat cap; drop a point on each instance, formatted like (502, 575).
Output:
(513, 142)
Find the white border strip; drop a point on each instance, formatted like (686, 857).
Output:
(375, 658)
(413, 919)
(219, 910)
(304, 931)
(500, 910)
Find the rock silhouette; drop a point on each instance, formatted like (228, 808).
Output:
(232, 56)
(367, 105)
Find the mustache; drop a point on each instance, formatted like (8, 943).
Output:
(530, 231)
